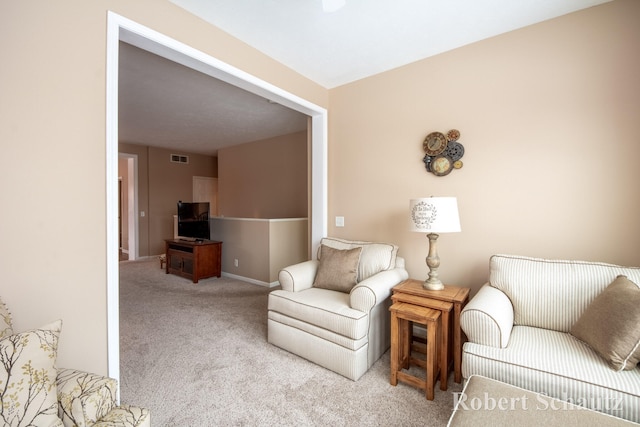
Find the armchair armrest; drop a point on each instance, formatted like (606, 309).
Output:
(84, 398)
(377, 288)
(488, 318)
(298, 277)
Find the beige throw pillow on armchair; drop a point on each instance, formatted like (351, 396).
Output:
(338, 269)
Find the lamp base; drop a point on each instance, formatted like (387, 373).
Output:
(433, 284)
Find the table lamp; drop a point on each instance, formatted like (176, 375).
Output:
(434, 215)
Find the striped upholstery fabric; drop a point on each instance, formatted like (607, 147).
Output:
(488, 318)
(343, 332)
(325, 310)
(342, 360)
(552, 294)
(556, 364)
(546, 298)
(325, 334)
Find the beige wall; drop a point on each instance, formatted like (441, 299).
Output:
(161, 184)
(168, 183)
(264, 179)
(53, 124)
(549, 117)
(262, 246)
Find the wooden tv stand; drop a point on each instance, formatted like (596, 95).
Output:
(194, 260)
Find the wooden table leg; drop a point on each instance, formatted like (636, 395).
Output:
(394, 349)
(406, 337)
(432, 362)
(457, 343)
(444, 351)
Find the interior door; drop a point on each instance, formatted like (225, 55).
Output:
(205, 189)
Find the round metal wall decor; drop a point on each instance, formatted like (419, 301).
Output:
(442, 152)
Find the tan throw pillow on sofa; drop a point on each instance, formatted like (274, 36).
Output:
(338, 269)
(611, 324)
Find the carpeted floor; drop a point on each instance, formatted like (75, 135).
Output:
(197, 355)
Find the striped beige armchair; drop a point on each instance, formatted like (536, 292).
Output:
(334, 310)
(566, 329)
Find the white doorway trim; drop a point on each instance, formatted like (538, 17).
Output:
(119, 29)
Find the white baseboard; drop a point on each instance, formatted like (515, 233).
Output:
(253, 281)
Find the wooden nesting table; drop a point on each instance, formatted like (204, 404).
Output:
(403, 315)
(448, 301)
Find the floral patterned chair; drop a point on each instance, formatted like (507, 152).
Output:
(33, 392)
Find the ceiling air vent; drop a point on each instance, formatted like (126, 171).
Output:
(179, 158)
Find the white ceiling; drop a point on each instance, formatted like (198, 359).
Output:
(165, 104)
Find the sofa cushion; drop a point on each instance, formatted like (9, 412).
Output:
(28, 374)
(338, 268)
(559, 365)
(610, 325)
(552, 294)
(5, 321)
(375, 257)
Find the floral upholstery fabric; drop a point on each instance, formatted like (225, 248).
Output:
(28, 377)
(126, 416)
(84, 398)
(34, 393)
(5, 321)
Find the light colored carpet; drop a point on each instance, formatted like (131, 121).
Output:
(197, 355)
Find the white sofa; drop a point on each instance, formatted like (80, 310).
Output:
(344, 330)
(521, 324)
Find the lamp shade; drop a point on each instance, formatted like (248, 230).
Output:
(434, 215)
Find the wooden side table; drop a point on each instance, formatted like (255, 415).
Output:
(450, 299)
(403, 315)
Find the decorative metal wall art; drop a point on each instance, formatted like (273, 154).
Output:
(443, 152)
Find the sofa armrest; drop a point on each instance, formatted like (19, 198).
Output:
(298, 277)
(488, 318)
(377, 288)
(126, 416)
(84, 398)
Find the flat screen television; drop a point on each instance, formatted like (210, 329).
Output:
(193, 220)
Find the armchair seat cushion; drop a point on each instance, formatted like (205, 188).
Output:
(323, 309)
(312, 330)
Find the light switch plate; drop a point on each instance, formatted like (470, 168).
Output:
(339, 221)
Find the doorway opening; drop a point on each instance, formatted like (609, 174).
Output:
(128, 199)
(123, 29)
